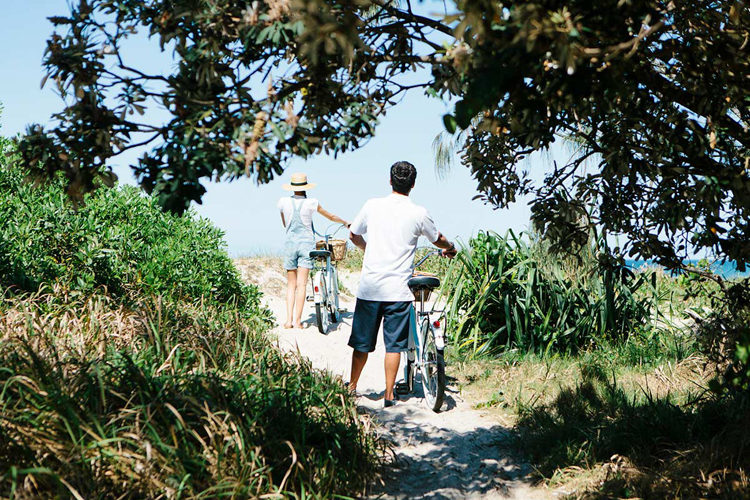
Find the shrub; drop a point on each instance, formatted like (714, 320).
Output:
(725, 337)
(118, 239)
(503, 292)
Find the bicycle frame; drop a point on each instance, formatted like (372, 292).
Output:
(317, 294)
(325, 286)
(418, 332)
(416, 337)
(320, 272)
(419, 325)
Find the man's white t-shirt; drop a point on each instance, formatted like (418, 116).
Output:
(307, 209)
(392, 226)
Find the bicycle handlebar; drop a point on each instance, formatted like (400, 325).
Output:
(430, 254)
(341, 226)
(328, 233)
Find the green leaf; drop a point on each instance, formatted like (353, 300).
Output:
(450, 123)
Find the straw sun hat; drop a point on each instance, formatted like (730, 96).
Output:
(299, 183)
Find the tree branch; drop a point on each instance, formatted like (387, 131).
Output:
(613, 50)
(415, 18)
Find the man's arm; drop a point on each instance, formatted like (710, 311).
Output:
(358, 241)
(449, 249)
(359, 227)
(283, 221)
(429, 231)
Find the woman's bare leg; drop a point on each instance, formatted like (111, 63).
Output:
(302, 274)
(291, 287)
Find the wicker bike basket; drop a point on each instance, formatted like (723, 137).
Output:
(422, 294)
(336, 247)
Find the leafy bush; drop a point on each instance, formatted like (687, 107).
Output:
(170, 398)
(503, 292)
(725, 337)
(119, 239)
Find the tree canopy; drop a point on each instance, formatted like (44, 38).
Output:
(654, 94)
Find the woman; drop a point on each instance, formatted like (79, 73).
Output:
(296, 216)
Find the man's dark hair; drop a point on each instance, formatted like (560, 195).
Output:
(403, 175)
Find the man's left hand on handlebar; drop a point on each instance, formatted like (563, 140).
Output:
(447, 248)
(449, 252)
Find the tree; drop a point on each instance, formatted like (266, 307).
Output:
(654, 91)
(255, 83)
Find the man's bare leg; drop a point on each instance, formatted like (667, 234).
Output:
(392, 360)
(291, 287)
(358, 363)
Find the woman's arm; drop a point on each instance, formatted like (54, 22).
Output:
(333, 218)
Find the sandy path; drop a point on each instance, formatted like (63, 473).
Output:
(457, 453)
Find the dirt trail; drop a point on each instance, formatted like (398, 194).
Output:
(457, 453)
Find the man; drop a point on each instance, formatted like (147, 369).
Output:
(393, 225)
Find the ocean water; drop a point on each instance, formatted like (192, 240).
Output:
(727, 270)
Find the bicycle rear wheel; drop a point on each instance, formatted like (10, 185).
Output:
(433, 369)
(321, 310)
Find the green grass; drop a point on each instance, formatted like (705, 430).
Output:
(515, 378)
(353, 260)
(632, 420)
(625, 415)
(685, 445)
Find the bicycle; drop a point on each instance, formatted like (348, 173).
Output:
(325, 284)
(425, 354)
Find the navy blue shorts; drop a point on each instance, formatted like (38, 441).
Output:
(368, 315)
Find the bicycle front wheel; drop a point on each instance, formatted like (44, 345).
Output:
(321, 310)
(433, 369)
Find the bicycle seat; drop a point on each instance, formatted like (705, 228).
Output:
(319, 254)
(417, 283)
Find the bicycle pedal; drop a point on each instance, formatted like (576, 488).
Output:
(310, 298)
(401, 388)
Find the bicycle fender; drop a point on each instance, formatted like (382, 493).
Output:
(317, 289)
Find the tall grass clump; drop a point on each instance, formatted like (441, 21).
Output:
(170, 399)
(503, 292)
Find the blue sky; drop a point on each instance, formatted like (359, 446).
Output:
(246, 212)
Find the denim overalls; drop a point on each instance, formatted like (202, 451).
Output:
(300, 240)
